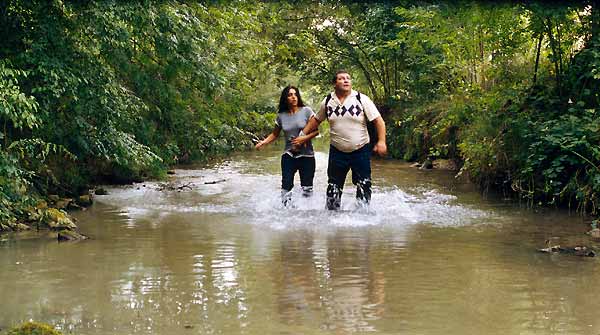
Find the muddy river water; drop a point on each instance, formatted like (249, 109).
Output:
(221, 256)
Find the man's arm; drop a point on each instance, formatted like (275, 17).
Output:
(310, 130)
(311, 125)
(380, 147)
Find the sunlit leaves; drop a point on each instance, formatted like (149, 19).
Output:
(15, 106)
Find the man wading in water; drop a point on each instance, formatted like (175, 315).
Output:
(348, 113)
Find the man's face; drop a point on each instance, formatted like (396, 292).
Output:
(343, 82)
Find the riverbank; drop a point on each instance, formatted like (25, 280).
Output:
(51, 213)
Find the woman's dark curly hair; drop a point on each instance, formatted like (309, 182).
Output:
(283, 105)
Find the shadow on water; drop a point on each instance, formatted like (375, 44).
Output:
(429, 256)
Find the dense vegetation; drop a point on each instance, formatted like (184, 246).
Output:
(508, 90)
(116, 91)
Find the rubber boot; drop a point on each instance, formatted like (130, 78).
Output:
(286, 198)
(363, 191)
(334, 197)
(307, 191)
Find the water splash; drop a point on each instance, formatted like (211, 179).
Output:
(246, 192)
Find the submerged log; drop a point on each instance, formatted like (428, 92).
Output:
(582, 251)
(174, 187)
(215, 181)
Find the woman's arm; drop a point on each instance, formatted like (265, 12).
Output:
(272, 136)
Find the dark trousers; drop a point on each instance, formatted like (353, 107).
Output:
(359, 161)
(289, 166)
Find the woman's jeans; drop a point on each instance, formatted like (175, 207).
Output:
(289, 165)
(359, 161)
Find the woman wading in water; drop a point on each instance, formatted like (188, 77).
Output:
(292, 117)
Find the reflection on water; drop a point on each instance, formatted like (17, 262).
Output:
(430, 256)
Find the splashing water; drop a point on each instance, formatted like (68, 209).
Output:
(240, 188)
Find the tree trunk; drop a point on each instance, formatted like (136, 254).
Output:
(5, 134)
(481, 58)
(595, 20)
(537, 57)
(559, 47)
(395, 73)
(387, 78)
(555, 53)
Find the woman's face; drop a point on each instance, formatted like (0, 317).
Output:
(292, 98)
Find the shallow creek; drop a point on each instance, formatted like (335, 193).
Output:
(430, 256)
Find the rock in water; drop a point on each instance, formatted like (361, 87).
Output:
(445, 164)
(595, 233)
(21, 226)
(63, 203)
(57, 219)
(100, 191)
(70, 235)
(85, 200)
(427, 165)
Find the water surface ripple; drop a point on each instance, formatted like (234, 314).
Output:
(222, 256)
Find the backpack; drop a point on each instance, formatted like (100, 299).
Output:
(370, 124)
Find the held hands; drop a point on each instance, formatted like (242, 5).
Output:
(380, 149)
(300, 141)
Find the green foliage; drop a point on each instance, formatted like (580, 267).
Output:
(13, 187)
(562, 164)
(114, 91)
(509, 90)
(15, 106)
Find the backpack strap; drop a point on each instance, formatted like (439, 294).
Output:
(327, 99)
(370, 125)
